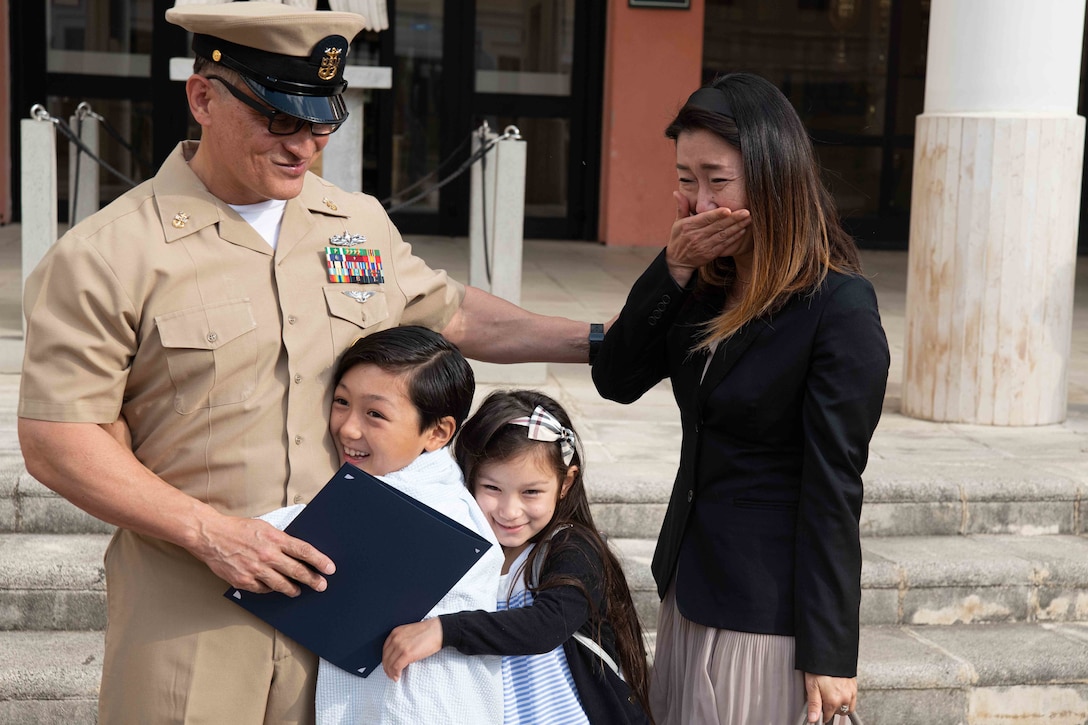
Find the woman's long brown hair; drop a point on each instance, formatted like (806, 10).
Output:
(796, 234)
(488, 437)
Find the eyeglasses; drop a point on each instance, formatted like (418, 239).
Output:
(279, 123)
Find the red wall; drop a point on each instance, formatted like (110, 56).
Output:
(653, 58)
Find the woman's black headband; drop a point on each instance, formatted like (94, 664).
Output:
(711, 99)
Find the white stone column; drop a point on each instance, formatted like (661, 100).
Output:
(342, 159)
(994, 208)
(496, 240)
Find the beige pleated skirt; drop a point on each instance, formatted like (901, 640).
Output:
(707, 676)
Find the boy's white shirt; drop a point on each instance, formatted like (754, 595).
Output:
(447, 687)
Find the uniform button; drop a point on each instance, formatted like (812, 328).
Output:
(291, 319)
(298, 440)
(298, 498)
(298, 378)
(691, 495)
(666, 299)
(212, 337)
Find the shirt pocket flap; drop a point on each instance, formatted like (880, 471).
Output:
(362, 307)
(206, 328)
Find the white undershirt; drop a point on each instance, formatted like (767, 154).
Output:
(265, 217)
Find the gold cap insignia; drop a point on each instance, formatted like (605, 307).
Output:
(180, 219)
(330, 63)
(216, 55)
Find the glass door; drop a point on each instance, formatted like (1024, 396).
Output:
(533, 69)
(526, 63)
(417, 103)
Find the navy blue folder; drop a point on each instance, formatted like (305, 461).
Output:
(395, 559)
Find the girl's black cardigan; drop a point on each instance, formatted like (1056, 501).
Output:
(554, 616)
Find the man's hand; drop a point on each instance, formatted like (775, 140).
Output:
(826, 695)
(91, 466)
(255, 556)
(410, 643)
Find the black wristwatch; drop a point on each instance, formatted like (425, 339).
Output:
(596, 337)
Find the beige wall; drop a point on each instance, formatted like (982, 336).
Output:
(652, 64)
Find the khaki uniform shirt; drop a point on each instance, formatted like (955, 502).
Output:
(171, 309)
(168, 308)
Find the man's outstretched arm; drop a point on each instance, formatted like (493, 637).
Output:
(489, 328)
(87, 465)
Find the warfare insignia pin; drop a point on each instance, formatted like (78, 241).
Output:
(358, 296)
(347, 240)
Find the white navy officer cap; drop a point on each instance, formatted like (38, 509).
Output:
(291, 59)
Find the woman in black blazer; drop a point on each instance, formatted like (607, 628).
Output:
(758, 314)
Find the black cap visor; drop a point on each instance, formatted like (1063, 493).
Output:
(316, 109)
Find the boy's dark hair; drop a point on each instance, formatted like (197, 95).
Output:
(438, 377)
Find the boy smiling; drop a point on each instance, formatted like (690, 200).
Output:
(401, 395)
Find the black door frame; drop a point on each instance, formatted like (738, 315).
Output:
(35, 84)
(464, 109)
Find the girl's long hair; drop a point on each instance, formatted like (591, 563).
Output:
(796, 233)
(488, 437)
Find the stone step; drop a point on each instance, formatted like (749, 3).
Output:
(28, 506)
(50, 678)
(943, 580)
(980, 674)
(939, 580)
(55, 581)
(974, 674)
(920, 499)
(629, 499)
(52, 582)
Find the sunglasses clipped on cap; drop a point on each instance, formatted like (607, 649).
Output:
(279, 124)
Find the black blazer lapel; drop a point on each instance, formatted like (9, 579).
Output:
(727, 354)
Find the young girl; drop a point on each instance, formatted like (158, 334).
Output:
(567, 626)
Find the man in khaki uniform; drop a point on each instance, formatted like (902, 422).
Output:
(200, 307)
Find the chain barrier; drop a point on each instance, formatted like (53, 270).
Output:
(510, 132)
(140, 160)
(482, 133)
(38, 113)
(81, 113)
(84, 111)
(486, 144)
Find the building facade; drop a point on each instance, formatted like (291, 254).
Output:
(591, 85)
